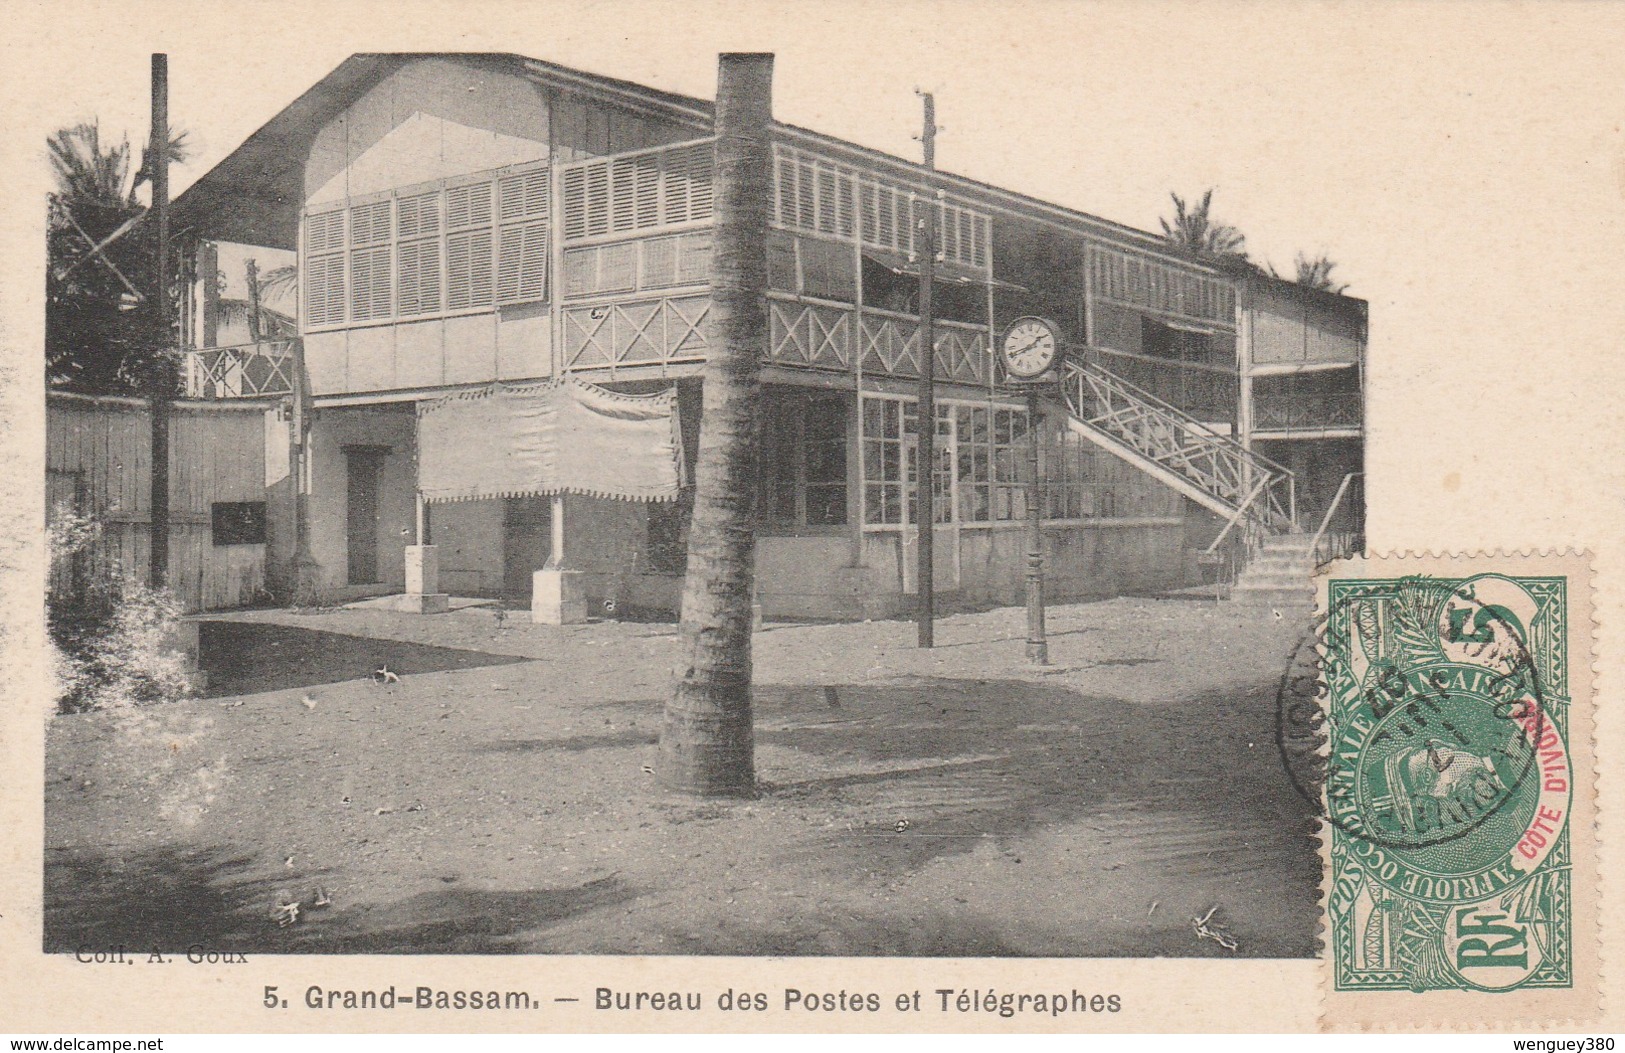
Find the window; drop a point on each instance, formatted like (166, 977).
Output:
(828, 271)
(981, 469)
(888, 462)
(626, 266)
(804, 459)
(418, 256)
(237, 522)
(324, 268)
(424, 252)
(1009, 446)
(522, 210)
(1069, 470)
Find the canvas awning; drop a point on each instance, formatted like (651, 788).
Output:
(948, 271)
(562, 436)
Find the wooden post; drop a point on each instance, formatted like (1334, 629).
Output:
(162, 382)
(253, 302)
(925, 461)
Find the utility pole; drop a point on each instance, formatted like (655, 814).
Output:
(162, 379)
(925, 420)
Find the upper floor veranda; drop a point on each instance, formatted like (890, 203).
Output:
(587, 249)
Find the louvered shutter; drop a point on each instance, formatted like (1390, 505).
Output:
(324, 289)
(522, 210)
(324, 268)
(417, 257)
(470, 277)
(468, 269)
(370, 278)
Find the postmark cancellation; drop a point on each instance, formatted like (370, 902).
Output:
(1440, 715)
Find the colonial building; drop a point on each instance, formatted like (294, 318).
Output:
(463, 221)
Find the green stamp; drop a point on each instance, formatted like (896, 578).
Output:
(1440, 755)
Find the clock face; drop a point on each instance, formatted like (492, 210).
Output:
(1029, 347)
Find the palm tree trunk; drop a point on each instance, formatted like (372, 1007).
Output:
(706, 743)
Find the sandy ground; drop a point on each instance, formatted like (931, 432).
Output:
(497, 799)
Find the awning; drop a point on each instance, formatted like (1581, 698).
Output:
(947, 271)
(562, 436)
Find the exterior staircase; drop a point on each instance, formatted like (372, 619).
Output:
(1213, 470)
(1280, 575)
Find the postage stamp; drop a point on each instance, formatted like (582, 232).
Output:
(1451, 754)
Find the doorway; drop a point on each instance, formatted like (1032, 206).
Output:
(364, 467)
(527, 542)
(945, 510)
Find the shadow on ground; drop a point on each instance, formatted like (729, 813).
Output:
(170, 900)
(243, 658)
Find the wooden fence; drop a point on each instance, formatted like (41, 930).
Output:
(98, 461)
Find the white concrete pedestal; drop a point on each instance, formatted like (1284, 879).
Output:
(423, 595)
(558, 597)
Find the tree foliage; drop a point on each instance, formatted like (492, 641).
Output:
(1316, 273)
(103, 330)
(1192, 229)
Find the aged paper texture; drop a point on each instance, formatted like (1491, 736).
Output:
(394, 762)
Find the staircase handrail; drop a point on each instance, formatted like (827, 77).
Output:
(1074, 366)
(1270, 472)
(1235, 517)
(1331, 510)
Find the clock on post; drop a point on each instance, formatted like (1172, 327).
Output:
(1031, 348)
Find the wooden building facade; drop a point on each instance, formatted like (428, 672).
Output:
(462, 220)
(98, 463)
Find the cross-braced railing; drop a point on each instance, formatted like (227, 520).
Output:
(247, 371)
(1214, 469)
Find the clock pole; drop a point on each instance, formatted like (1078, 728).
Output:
(1037, 642)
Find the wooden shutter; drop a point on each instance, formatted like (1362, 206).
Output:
(470, 277)
(522, 263)
(522, 209)
(324, 289)
(468, 269)
(468, 206)
(324, 267)
(370, 284)
(417, 257)
(417, 268)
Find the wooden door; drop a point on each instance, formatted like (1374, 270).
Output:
(364, 467)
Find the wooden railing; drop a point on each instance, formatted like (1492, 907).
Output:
(1212, 469)
(823, 336)
(244, 371)
(1308, 412)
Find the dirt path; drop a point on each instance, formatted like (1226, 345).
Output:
(496, 799)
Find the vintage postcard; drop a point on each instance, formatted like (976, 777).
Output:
(752, 516)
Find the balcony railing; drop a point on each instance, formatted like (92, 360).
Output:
(1308, 412)
(246, 371)
(822, 336)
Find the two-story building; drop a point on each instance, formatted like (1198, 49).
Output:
(463, 221)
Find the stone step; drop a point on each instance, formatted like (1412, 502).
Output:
(1284, 561)
(1288, 543)
(1264, 579)
(1272, 596)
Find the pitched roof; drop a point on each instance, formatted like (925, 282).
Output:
(238, 199)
